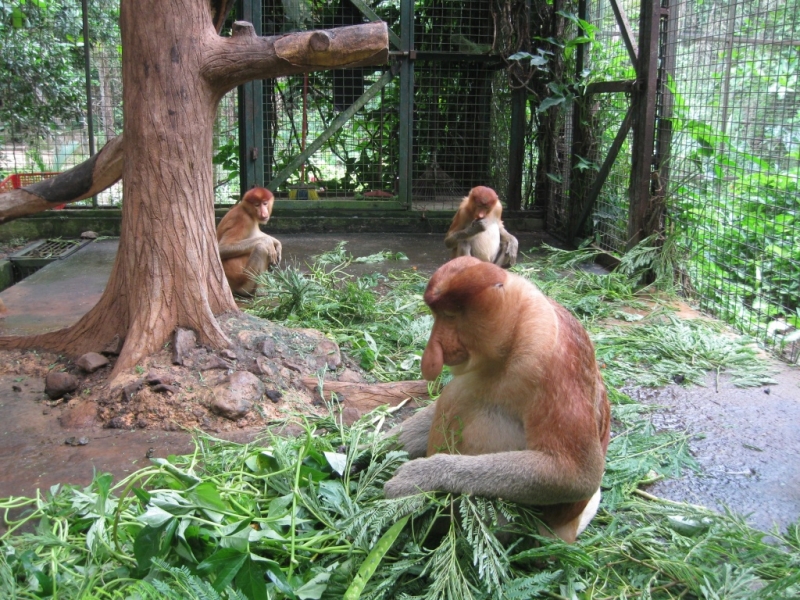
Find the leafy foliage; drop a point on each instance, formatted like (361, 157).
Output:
(304, 517)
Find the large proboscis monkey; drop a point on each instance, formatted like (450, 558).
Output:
(525, 417)
(245, 250)
(477, 230)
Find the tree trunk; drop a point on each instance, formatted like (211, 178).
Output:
(175, 69)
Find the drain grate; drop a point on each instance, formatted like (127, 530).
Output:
(41, 253)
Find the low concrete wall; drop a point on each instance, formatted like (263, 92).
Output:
(6, 275)
(70, 223)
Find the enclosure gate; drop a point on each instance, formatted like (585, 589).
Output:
(420, 132)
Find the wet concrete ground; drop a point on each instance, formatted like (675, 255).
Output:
(747, 442)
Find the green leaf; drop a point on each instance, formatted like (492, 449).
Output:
(147, 545)
(314, 588)
(250, 579)
(549, 102)
(370, 564)
(224, 564)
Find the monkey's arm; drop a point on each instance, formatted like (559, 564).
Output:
(245, 247)
(413, 432)
(526, 476)
(456, 237)
(509, 246)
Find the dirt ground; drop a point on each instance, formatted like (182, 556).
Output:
(746, 442)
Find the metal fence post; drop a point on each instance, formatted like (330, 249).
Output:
(406, 100)
(251, 111)
(88, 70)
(640, 221)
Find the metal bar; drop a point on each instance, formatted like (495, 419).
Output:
(341, 119)
(251, 111)
(610, 87)
(602, 174)
(664, 131)
(738, 40)
(726, 79)
(625, 31)
(372, 16)
(579, 134)
(644, 107)
(516, 148)
(87, 65)
(406, 142)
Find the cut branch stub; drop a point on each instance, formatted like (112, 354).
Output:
(243, 29)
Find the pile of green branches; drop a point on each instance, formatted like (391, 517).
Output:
(304, 516)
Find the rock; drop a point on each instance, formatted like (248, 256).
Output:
(89, 235)
(183, 342)
(91, 361)
(165, 388)
(76, 441)
(129, 391)
(349, 376)
(293, 366)
(229, 354)
(154, 378)
(329, 351)
(59, 383)
(350, 415)
(215, 362)
(114, 347)
(121, 422)
(234, 398)
(79, 415)
(268, 347)
(16, 388)
(274, 395)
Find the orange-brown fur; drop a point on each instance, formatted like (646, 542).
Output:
(525, 417)
(477, 229)
(245, 250)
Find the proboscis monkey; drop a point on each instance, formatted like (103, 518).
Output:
(477, 230)
(525, 417)
(245, 250)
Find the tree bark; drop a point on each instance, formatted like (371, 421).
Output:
(175, 69)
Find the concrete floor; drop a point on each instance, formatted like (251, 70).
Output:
(747, 443)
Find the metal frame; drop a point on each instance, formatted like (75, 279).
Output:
(648, 165)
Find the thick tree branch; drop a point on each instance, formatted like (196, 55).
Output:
(245, 56)
(85, 180)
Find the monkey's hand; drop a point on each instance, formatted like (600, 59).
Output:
(422, 475)
(271, 248)
(476, 227)
(471, 230)
(509, 246)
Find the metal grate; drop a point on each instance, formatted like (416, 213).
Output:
(735, 171)
(41, 253)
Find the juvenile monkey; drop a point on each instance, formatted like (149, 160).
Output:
(477, 230)
(245, 250)
(525, 417)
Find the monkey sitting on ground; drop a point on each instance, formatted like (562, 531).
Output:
(525, 417)
(245, 250)
(477, 230)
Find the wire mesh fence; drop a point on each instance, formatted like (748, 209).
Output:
(734, 193)
(50, 120)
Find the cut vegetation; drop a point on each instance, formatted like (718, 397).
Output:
(304, 516)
